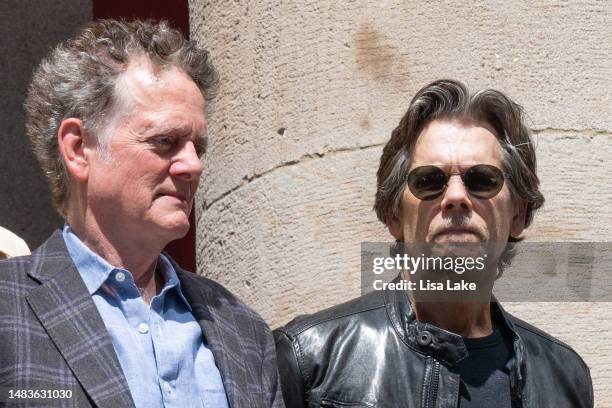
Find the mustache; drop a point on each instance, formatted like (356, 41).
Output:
(459, 221)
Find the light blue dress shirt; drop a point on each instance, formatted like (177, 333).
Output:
(160, 348)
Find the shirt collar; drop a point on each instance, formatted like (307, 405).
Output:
(170, 277)
(95, 270)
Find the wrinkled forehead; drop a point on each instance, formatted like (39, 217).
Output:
(162, 100)
(456, 142)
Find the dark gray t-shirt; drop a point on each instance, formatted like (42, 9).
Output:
(485, 373)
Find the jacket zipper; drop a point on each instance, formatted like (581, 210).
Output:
(516, 379)
(435, 380)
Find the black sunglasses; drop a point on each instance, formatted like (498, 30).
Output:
(481, 180)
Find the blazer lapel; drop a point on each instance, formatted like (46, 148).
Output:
(221, 335)
(66, 310)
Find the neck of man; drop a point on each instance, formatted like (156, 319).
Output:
(137, 256)
(470, 318)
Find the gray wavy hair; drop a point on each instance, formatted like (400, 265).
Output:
(77, 79)
(449, 99)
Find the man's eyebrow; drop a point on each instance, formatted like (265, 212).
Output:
(153, 129)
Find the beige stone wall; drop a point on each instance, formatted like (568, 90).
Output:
(310, 93)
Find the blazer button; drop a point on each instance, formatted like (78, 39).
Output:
(424, 338)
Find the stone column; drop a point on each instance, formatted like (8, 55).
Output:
(310, 93)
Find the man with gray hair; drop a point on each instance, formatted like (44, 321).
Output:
(99, 315)
(458, 175)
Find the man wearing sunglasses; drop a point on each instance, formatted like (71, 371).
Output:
(459, 170)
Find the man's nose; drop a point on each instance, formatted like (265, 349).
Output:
(456, 196)
(186, 164)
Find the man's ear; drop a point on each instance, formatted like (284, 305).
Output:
(517, 224)
(71, 143)
(395, 228)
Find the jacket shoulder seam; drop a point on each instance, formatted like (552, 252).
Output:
(549, 338)
(302, 327)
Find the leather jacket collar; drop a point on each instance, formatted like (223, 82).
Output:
(446, 346)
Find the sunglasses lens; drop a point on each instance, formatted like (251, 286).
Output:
(484, 180)
(427, 182)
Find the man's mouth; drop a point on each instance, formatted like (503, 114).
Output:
(457, 232)
(178, 196)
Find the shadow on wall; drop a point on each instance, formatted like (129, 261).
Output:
(28, 31)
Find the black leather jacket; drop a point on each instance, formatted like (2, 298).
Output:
(372, 352)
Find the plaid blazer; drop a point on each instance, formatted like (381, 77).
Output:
(52, 336)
